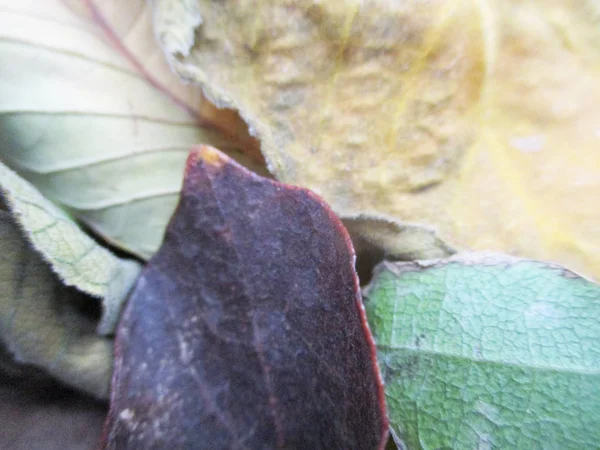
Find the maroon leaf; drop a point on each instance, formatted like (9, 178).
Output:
(246, 330)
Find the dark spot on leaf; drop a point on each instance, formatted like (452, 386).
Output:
(400, 366)
(418, 340)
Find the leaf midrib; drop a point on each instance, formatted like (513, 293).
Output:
(533, 367)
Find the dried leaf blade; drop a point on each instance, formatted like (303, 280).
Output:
(75, 257)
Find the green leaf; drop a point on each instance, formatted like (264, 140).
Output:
(76, 258)
(41, 322)
(486, 351)
(91, 114)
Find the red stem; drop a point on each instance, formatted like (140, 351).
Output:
(116, 41)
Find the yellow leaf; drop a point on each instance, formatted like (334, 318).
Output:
(92, 115)
(478, 118)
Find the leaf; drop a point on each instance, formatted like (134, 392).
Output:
(246, 329)
(479, 119)
(76, 258)
(394, 240)
(91, 114)
(486, 351)
(40, 321)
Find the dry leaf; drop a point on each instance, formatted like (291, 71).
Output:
(477, 118)
(77, 259)
(40, 319)
(395, 241)
(92, 115)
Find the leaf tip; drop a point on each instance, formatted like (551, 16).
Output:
(208, 155)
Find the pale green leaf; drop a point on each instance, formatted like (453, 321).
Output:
(40, 321)
(92, 127)
(76, 258)
(486, 351)
(394, 240)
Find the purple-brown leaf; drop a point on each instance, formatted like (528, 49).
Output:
(246, 330)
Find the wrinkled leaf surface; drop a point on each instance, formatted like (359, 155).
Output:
(486, 351)
(477, 118)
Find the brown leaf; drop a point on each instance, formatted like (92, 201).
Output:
(246, 329)
(477, 118)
